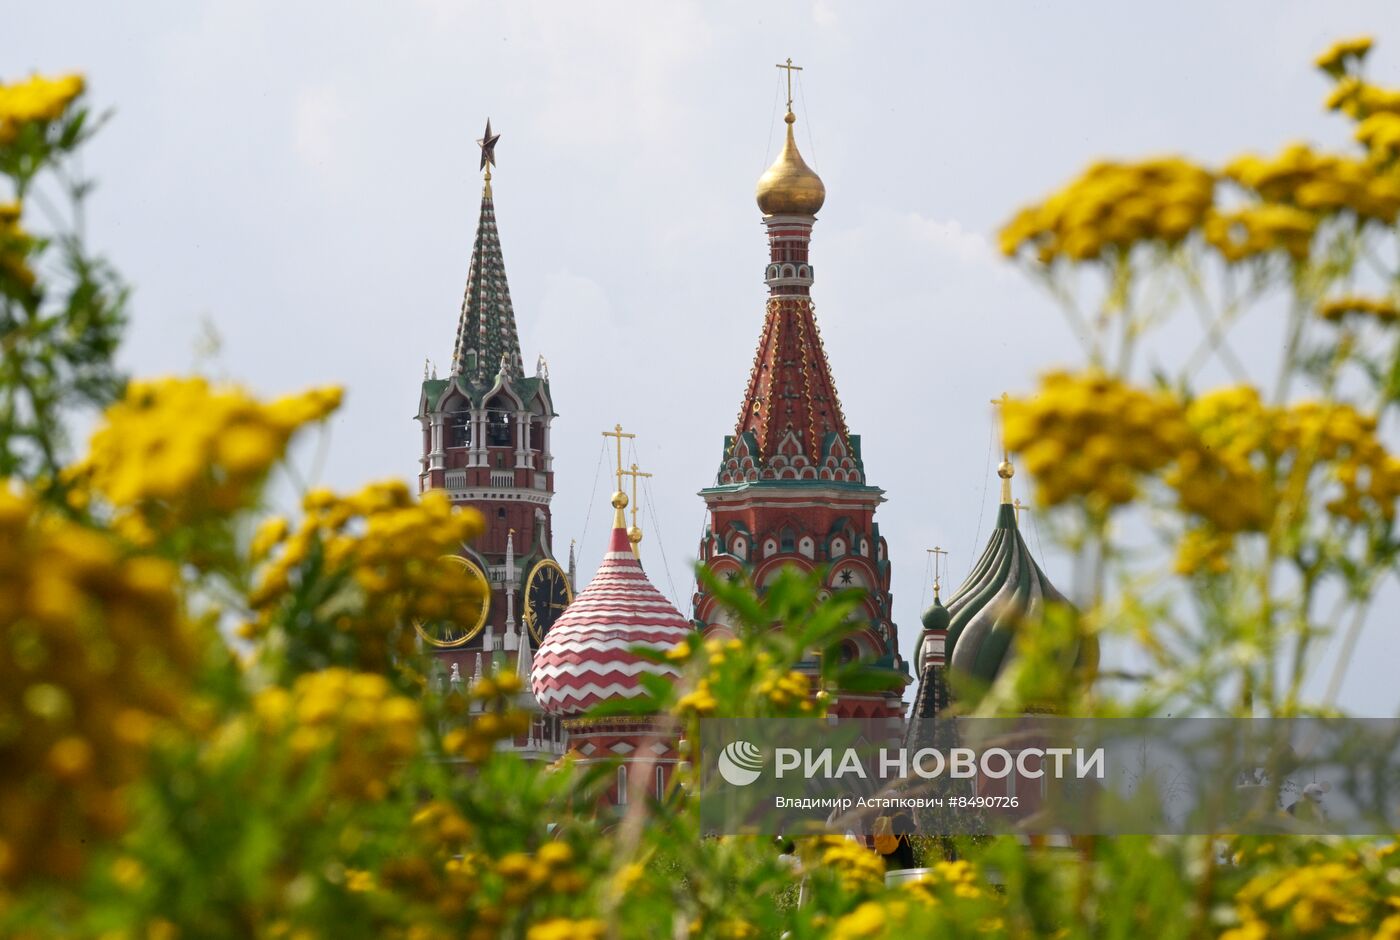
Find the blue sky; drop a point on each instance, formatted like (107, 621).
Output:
(301, 179)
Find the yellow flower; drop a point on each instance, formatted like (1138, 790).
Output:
(1344, 53)
(867, 920)
(1380, 309)
(564, 928)
(1092, 436)
(174, 451)
(1111, 208)
(1298, 187)
(269, 535)
(1204, 550)
(15, 245)
(96, 654)
(700, 702)
(1380, 134)
(354, 721)
(394, 550)
(36, 99)
(1261, 230)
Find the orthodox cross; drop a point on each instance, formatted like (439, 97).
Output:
(1006, 470)
(487, 143)
(634, 473)
(1018, 507)
(618, 433)
(935, 552)
(1000, 403)
(789, 68)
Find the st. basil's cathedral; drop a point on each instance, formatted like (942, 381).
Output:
(790, 489)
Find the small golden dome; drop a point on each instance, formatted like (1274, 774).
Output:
(1006, 470)
(790, 187)
(619, 499)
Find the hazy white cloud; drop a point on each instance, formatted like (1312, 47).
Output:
(950, 238)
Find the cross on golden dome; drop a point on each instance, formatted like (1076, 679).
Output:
(790, 187)
(790, 68)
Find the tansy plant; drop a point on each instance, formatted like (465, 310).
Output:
(214, 721)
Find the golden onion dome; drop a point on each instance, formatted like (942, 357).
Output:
(790, 187)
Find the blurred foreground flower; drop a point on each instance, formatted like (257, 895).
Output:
(93, 655)
(178, 450)
(35, 100)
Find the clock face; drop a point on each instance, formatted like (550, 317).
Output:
(547, 593)
(455, 631)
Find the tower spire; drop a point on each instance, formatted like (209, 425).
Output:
(486, 331)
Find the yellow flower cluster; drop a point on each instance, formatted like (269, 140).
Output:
(858, 867)
(869, 919)
(1231, 460)
(1309, 898)
(1380, 309)
(1251, 456)
(787, 690)
(94, 652)
(1337, 436)
(496, 720)
(1112, 207)
(1217, 477)
(390, 544)
(1258, 230)
(1343, 54)
(567, 928)
(1201, 549)
(173, 451)
(355, 722)
(441, 822)
(960, 878)
(1380, 135)
(699, 702)
(35, 99)
(956, 889)
(15, 244)
(1359, 100)
(1376, 110)
(550, 868)
(1090, 435)
(1319, 184)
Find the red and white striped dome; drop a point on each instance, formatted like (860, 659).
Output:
(585, 657)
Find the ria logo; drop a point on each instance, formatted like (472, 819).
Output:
(740, 763)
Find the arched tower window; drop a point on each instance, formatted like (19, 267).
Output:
(498, 428)
(660, 782)
(622, 786)
(459, 433)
